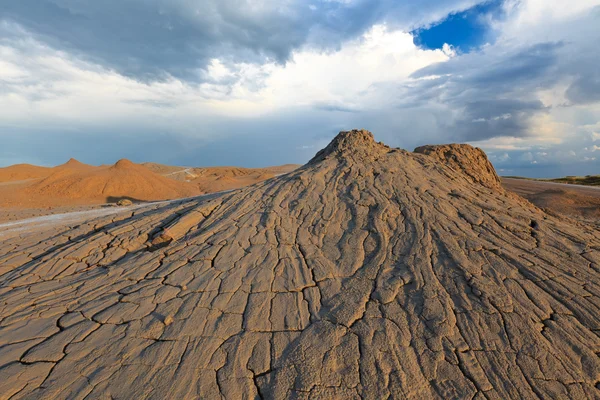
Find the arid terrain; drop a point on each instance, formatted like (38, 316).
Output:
(25, 193)
(28, 191)
(370, 272)
(588, 180)
(559, 198)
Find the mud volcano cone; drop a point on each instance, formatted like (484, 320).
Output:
(370, 273)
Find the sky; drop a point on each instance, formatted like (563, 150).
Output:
(264, 82)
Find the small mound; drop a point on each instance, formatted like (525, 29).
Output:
(471, 161)
(124, 164)
(74, 164)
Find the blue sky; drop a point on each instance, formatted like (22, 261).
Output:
(465, 30)
(262, 82)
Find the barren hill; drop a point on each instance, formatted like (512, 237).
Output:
(74, 164)
(216, 179)
(99, 184)
(28, 190)
(23, 172)
(368, 273)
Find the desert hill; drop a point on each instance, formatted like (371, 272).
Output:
(370, 272)
(216, 179)
(76, 183)
(23, 172)
(124, 179)
(179, 173)
(27, 190)
(76, 165)
(165, 170)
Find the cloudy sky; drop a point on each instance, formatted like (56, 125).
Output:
(263, 82)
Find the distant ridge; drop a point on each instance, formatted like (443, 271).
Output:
(21, 172)
(75, 180)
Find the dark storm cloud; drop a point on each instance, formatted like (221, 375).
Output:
(490, 93)
(491, 71)
(150, 39)
(496, 118)
(585, 88)
(523, 66)
(493, 94)
(334, 108)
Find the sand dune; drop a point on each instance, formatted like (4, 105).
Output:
(370, 272)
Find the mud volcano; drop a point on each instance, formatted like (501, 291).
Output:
(370, 273)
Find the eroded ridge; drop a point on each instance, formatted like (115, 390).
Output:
(369, 273)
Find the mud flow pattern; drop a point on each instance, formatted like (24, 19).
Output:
(370, 272)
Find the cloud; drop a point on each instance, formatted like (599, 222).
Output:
(59, 86)
(585, 88)
(235, 107)
(154, 39)
(270, 82)
(510, 88)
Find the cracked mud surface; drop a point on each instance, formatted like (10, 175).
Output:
(368, 273)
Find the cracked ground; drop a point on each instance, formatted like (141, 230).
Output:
(368, 273)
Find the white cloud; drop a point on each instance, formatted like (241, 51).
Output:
(449, 50)
(344, 76)
(74, 89)
(365, 81)
(527, 14)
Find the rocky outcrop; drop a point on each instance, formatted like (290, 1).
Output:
(368, 273)
(469, 160)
